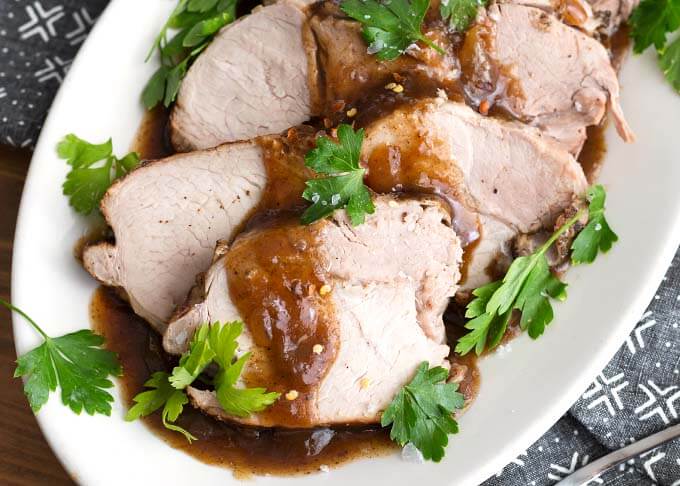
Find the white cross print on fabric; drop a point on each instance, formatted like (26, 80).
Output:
(639, 342)
(517, 461)
(656, 456)
(41, 22)
(660, 402)
(605, 391)
(55, 68)
(83, 22)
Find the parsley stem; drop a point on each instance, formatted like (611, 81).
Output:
(560, 231)
(25, 316)
(432, 45)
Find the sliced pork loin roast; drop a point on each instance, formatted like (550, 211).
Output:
(283, 64)
(501, 177)
(542, 72)
(168, 214)
(515, 179)
(518, 57)
(250, 81)
(337, 316)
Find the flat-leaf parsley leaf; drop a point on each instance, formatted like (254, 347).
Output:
(192, 363)
(597, 235)
(93, 169)
(651, 21)
(669, 61)
(239, 402)
(421, 412)
(460, 12)
(196, 22)
(162, 394)
(344, 185)
(390, 26)
(75, 363)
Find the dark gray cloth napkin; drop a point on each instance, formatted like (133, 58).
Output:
(638, 393)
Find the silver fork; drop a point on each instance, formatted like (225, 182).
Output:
(595, 468)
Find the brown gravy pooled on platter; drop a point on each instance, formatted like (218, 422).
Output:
(244, 450)
(151, 141)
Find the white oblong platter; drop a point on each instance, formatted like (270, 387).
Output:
(522, 393)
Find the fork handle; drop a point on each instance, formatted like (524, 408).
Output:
(595, 468)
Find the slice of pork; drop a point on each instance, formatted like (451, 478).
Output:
(168, 215)
(542, 72)
(387, 283)
(515, 179)
(250, 81)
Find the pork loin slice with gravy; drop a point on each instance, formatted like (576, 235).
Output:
(542, 72)
(250, 81)
(514, 178)
(340, 314)
(168, 214)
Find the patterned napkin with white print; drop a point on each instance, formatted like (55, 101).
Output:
(38, 40)
(637, 394)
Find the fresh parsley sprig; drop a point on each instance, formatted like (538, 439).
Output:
(216, 343)
(193, 362)
(651, 22)
(162, 394)
(421, 412)
(529, 285)
(344, 185)
(195, 22)
(390, 26)
(239, 402)
(93, 170)
(597, 235)
(75, 362)
(460, 13)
